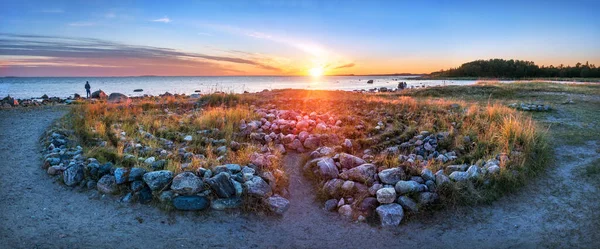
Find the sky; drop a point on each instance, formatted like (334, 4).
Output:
(288, 37)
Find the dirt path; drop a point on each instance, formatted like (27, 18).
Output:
(558, 209)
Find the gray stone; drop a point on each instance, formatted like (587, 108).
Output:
(233, 168)
(190, 203)
(277, 204)
(312, 142)
(493, 169)
(348, 161)
(166, 196)
(118, 98)
(222, 185)
(426, 198)
(228, 203)
(136, 186)
(453, 168)
(188, 138)
(391, 176)
(326, 169)
(408, 204)
(390, 214)
(258, 187)
(158, 165)
(427, 175)
(430, 185)
(364, 173)
(107, 185)
(473, 172)
(123, 175)
(386, 195)
(158, 180)
(150, 160)
(404, 187)
(331, 205)
(459, 176)
(187, 183)
(345, 211)
(73, 175)
(333, 187)
(239, 190)
(441, 178)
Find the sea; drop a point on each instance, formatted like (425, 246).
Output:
(35, 87)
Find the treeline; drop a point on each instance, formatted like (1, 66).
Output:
(499, 68)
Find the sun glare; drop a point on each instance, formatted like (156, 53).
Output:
(316, 71)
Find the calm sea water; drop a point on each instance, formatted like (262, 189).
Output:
(35, 87)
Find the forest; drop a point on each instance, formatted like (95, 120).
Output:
(500, 68)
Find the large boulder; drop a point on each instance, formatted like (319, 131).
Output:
(186, 183)
(459, 176)
(391, 176)
(73, 175)
(312, 142)
(333, 187)
(441, 178)
(364, 173)
(107, 185)
(118, 98)
(222, 185)
(408, 204)
(277, 204)
(158, 180)
(390, 214)
(190, 203)
(349, 161)
(256, 186)
(99, 95)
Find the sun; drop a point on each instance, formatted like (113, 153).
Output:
(316, 71)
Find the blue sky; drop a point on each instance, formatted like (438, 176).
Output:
(73, 38)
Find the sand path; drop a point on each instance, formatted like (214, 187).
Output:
(557, 209)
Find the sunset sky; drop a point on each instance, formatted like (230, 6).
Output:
(279, 37)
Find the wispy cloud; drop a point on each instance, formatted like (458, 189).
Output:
(204, 34)
(82, 24)
(68, 51)
(345, 66)
(110, 15)
(163, 20)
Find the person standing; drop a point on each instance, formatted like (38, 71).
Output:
(87, 89)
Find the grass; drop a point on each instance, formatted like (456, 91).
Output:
(478, 124)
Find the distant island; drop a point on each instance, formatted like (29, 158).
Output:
(516, 69)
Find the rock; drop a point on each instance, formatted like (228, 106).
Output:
(426, 198)
(145, 195)
(187, 183)
(188, 138)
(373, 189)
(136, 186)
(277, 204)
(166, 196)
(347, 144)
(363, 174)
(404, 187)
(427, 175)
(190, 203)
(233, 168)
(333, 187)
(229, 203)
(348, 187)
(473, 172)
(222, 150)
(386, 195)
(494, 169)
(91, 184)
(326, 169)
(159, 165)
(312, 142)
(54, 170)
(260, 160)
(150, 160)
(441, 178)
(73, 175)
(99, 95)
(367, 205)
(348, 161)
(258, 187)
(118, 98)
(331, 205)
(453, 168)
(408, 204)
(239, 190)
(345, 211)
(107, 185)
(430, 185)
(417, 179)
(459, 176)
(391, 176)
(123, 175)
(157, 180)
(138, 90)
(390, 214)
(222, 185)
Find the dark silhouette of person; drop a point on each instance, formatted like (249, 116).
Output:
(87, 89)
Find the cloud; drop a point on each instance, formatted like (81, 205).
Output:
(163, 20)
(82, 24)
(345, 66)
(204, 34)
(90, 51)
